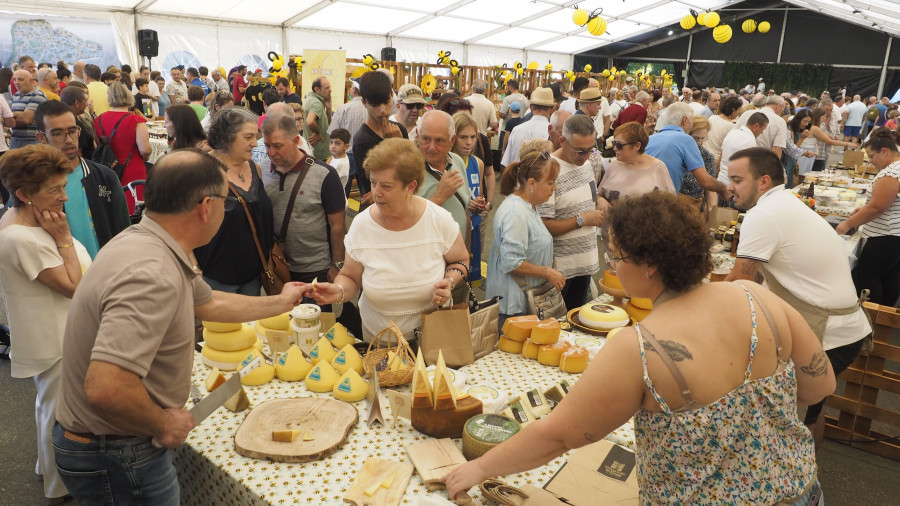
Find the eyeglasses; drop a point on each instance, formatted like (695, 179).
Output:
(579, 152)
(62, 135)
(414, 106)
(230, 201)
(618, 146)
(543, 155)
(610, 260)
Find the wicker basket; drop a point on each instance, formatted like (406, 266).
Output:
(389, 339)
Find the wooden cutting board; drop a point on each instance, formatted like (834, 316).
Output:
(376, 471)
(328, 421)
(434, 458)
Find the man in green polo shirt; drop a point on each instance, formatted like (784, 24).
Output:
(315, 124)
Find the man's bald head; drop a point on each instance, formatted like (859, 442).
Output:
(23, 80)
(280, 108)
(181, 180)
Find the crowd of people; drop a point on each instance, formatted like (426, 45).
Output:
(251, 163)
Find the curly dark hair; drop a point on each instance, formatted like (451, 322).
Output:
(659, 230)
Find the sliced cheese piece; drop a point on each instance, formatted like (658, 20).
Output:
(285, 436)
(350, 387)
(259, 376)
(280, 322)
(224, 360)
(240, 339)
(421, 387)
(545, 332)
(322, 351)
(444, 393)
(307, 436)
(339, 336)
(536, 402)
(389, 481)
(518, 328)
(348, 358)
(221, 327)
(238, 402)
(642, 303)
(321, 378)
(374, 488)
(214, 380)
(519, 412)
(292, 365)
(510, 346)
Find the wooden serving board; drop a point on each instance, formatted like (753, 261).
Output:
(434, 458)
(376, 471)
(328, 421)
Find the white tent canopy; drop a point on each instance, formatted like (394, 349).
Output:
(477, 32)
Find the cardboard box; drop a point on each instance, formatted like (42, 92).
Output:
(600, 473)
(721, 216)
(852, 158)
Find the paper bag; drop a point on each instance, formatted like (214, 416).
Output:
(852, 158)
(485, 333)
(600, 473)
(447, 330)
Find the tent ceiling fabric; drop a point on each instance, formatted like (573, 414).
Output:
(534, 25)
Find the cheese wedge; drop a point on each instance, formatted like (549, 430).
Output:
(339, 336)
(348, 358)
(307, 436)
(321, 378)
(214, 380)
(519, 412)
(444, 392)
(389, 481)
(421, 386)
(396, 363)
(322, 351)
(285, 436)
(536, 402)
(280, 322)
(292, 365)
(238, 402)
(259, 376)
(221, 327)
(241, 339)
(350, 387)
(371, 490)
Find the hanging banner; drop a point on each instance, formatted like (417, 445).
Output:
(51, 38)
(328, 64)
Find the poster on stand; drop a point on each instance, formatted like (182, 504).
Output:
(325, 63)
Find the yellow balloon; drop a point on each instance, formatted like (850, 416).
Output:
(712, 19)
(533, 65)
(597, 26)
(605, 72)
(748, 26)
(587, 68)
(688, 22)
(764, 27)
(701, 19)
(722, 34)
(613, 70)
(580, 17)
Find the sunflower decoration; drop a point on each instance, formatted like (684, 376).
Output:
(533, 65)
(443, 57)
(519, 69)
(570, 75)
(548, 67)
(429, 83)
(587, 69)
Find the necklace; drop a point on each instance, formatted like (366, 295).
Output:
(240, 176)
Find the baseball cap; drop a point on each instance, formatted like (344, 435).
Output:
(355, 81)
(515, 107)
(411, 94)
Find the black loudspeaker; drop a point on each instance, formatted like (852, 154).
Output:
(148, 43)
(388, 54)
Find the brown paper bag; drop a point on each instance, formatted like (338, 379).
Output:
(449, 331)
(599, 473)
(852, 158)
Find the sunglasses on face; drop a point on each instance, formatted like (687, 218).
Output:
(415, 106)
(618, 146)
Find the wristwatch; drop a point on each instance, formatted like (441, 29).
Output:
(339, 265)
(579, 221)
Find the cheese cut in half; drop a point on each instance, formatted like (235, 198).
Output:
(536, 402)
(281, 322)
(292, 365)
(240, 339)
(574, 360)
(348, 358)
(510, 346)
(350, 387)
(259, 376)
(321, 378)
(322, 351)
(285, 436)
(545, 332)
(444, 392)
(214, 379)
(339, 336)
(221, 327)
(238, 402)
(611, 333)
(530, 349)
(550, 354)
(224, 360)
(518, 328)
(421, 386)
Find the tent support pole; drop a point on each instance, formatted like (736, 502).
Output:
(284, 43)
(687, 61)
(887, 56)
(781, 42)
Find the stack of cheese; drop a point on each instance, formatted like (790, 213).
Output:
(336, 371)
(439, 410)
(539, 340)
(638, 308)
(227, 344)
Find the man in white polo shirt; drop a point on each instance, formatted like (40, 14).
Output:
(538, 127)
(774, 137)
(803, 259)
(741, 138)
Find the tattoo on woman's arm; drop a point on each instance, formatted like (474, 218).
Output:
(677, 351)
(817, 366)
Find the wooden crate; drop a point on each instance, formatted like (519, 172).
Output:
(866, 378)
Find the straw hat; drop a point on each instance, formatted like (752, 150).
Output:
(590, 95)
(543, 96)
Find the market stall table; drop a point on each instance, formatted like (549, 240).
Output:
(211, 472)
(159, 140)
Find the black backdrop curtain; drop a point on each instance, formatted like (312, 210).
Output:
(704, 74)
(857, 81)
(780, 77)
(679, 73)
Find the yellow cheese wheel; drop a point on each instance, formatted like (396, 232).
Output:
(321, 378)
(280, 322)
(322, 351)
(545, 332)
(642, 303)
(518, 328)
(510, 346)
(602, 316)
(530, 349)
(574, 360)
(611, 280)
(292, 365)
(224, 360)
(240, 339)
(549, 354)
(259, 376)
(347, 358)
(635, 312)
(221, 327)
(339, 336)
(350, 387)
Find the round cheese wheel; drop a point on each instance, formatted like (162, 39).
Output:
(508, 345)
(550, 354)
(530, 349)
(545, 332)
(259, 376)
(635, 312)
(518, 328)
(602, 316)
(225, 360)
(221, 327)
(485, 431)
(574, 360)
(321, 378)
(280, 322)
(642, 303)
(611, 280)
(239, 339)
(350, 387)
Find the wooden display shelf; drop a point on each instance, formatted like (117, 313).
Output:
(869, 375)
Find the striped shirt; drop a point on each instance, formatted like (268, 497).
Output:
(350, 117)
(26, 102)
(575, 252)
(888, 222)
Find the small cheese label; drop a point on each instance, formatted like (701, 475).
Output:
(282, 359)
(519, 413)
(246, 361)
(345, 385)
(534, 398)
(491, 428)
(316, 374)
(565, 386)
(341, 359)
(330, 334)
(314, 353)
